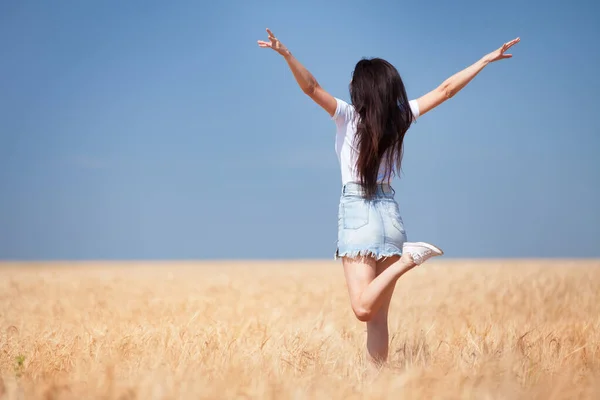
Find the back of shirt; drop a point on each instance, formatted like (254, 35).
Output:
(345, 118)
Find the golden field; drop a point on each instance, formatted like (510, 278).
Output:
(504, 329)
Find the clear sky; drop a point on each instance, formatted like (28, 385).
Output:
(160, 130)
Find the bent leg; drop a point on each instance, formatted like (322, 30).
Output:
(368, 290)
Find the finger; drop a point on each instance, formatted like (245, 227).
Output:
(506, 55)
(264, 44)
(271, 35)
(513, 42)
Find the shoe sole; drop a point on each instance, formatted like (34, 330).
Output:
(429, 246)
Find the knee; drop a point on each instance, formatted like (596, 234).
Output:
(363, 314)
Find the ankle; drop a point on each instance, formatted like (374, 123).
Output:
(406, 261)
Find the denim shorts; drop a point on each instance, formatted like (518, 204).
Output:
(373, 227)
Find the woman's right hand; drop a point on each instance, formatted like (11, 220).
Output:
(459, 80)
(499, 54)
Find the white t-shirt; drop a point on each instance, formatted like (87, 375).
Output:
(347, 153)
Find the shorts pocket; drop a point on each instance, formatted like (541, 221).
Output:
(355, 214)
(395, 217)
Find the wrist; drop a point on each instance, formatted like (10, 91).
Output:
(286, 54)
(484, 61)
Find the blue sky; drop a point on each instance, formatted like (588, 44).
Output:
(159, 130)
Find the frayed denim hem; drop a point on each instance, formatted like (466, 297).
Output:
(377, 254)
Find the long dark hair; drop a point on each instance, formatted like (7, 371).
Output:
(379, 98)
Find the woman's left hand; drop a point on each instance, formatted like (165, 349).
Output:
(274, 44)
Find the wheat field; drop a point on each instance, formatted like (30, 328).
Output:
(504, 329)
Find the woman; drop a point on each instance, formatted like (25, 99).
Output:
(370, 132)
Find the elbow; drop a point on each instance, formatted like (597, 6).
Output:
(448, 91)
(310, 89)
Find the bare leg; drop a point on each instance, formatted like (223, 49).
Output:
(368, 290)
(377, 327)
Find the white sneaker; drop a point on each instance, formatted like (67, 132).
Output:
(421, 251)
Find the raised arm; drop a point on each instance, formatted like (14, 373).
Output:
(305, 79)
(456, 82)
